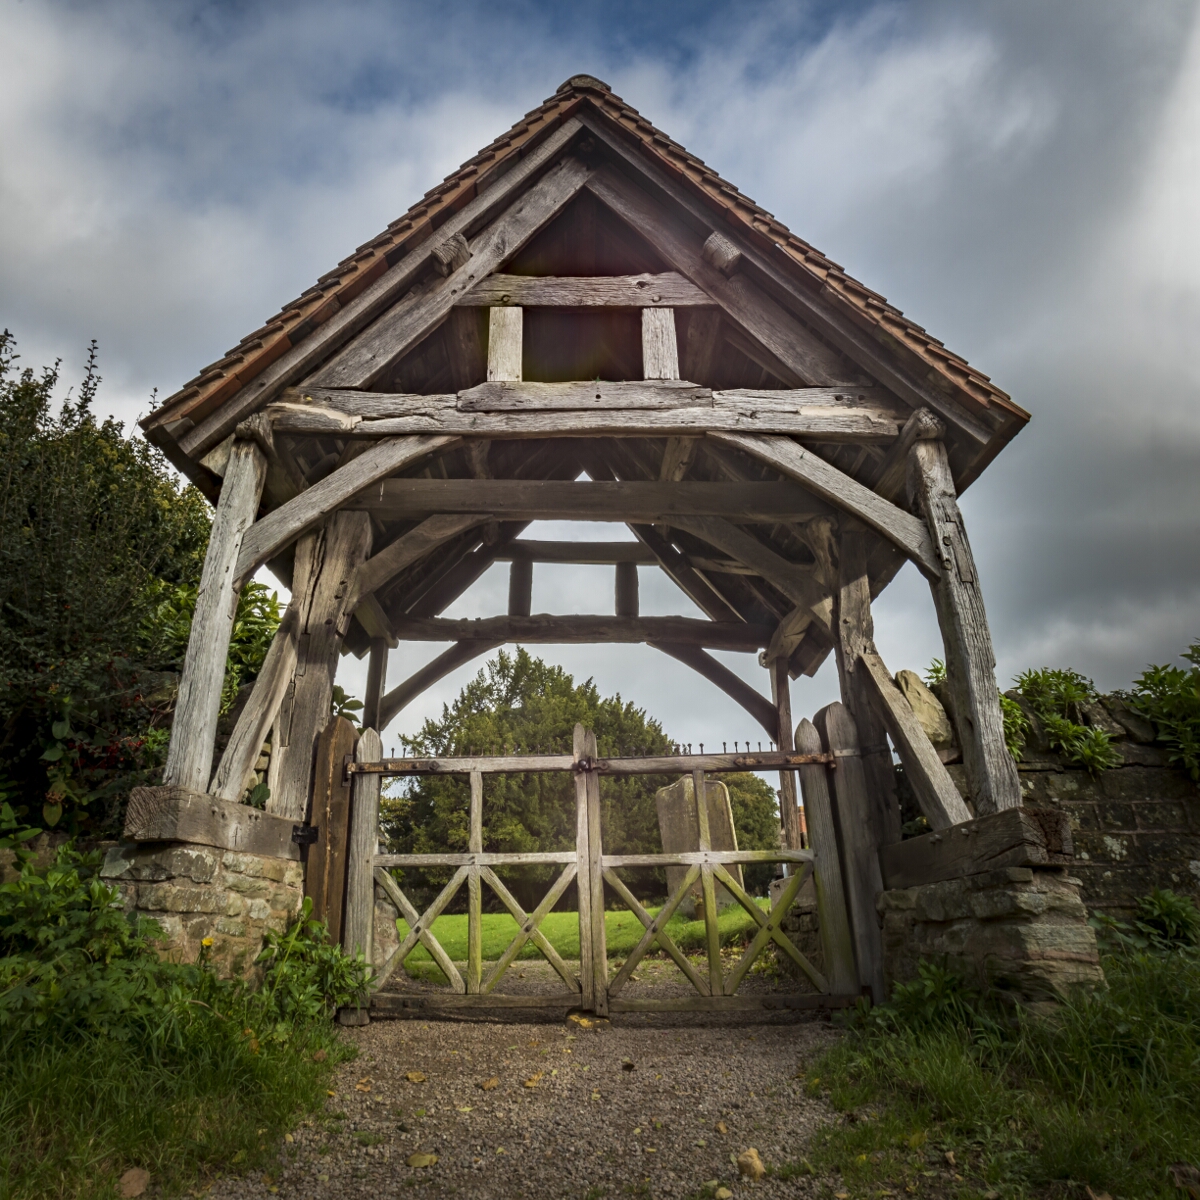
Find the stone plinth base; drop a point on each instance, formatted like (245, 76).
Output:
(196, 892)
(1020, 929)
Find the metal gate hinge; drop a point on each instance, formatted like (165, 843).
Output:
(304, 835)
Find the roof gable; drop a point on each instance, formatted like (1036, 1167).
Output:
(200, 414)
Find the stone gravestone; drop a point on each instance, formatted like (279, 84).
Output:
(680, 831)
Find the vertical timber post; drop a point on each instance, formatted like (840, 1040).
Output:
(364, 839)
(596, 884)
(789, 808)
(587, 973)
(474, 893)
(376, 683)
(861, 872)
(194, 731)
(336, 553)
(834, 923)
(970, 662)
(712, 933)
(854, 633)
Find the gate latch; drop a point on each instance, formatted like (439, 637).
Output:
(304, 835)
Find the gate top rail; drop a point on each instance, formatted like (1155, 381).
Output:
(517, 764)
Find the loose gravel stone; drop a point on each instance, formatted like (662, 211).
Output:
(643, 1106)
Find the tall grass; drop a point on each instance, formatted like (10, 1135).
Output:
(76, 1113)
(1104, 1093)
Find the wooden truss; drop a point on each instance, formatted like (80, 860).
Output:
(583, 338)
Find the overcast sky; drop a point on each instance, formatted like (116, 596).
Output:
(1023, 179)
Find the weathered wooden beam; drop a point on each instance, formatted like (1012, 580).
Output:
(425, 677)
(853, 633)
(798, 585)
(661, 764)
(865, 344)
(660, 349)
(777, 329)
(360, 857)
(398, 329)
(305, 355)
(410, 547)
(585, 396)
(325, 870)
(376, 682)
(256, 718)
(578, 553)
(179, 814)
(828, 880)
(1012, 837)
(788, 458)
(665, 290)
(547, 630)
(684, 575)
(789, 807)
(520, 588)
(194, 730)
(891, 475)
(280, 528)
(540, 499)
(506, 345)
(936, 794)
(325, 592)
(626, 599)
(651, 407)
(861, 875)
(970, 661)
(734, 686)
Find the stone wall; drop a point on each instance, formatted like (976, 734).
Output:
(1023, 930)
(1136, 827)
(197, 892)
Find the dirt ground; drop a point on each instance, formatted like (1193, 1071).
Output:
(641, 1106)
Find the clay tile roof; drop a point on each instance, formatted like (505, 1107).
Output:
(298, 318)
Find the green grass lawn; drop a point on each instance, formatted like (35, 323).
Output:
(623, 929)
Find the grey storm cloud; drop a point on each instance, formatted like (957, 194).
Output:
(1021, 178)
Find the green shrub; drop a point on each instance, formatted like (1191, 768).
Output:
(1170, 698)
(112, 1057)
(1056, 695)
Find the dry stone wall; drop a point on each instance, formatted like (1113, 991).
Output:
(198, 892)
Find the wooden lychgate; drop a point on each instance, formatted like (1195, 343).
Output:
(587, 986)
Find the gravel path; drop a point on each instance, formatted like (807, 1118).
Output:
(582, 1109)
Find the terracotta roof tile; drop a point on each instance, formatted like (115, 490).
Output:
(297, 318)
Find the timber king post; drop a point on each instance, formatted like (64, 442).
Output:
(585, 297)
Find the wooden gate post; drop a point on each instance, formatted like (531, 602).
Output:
(474, 891)
(970, 662)
(595, 845)
(364, 838)
(789, 808)
(861, 871)
(836, 940)
(587, 974)
(325, 870)
(194, 730)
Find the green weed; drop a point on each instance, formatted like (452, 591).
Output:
(1103, 1094)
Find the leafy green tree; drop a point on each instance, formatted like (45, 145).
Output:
(520, 703)
(94, 526)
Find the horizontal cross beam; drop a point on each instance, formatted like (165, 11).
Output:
(542, 629)
(652, 408)
(660, 764)
(668, 290)
(532, 500)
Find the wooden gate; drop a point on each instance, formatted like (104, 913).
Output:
(590, 988)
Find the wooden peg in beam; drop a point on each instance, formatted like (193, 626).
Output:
(722, 253)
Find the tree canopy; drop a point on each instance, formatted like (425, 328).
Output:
(518, 702)
(100, 563)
